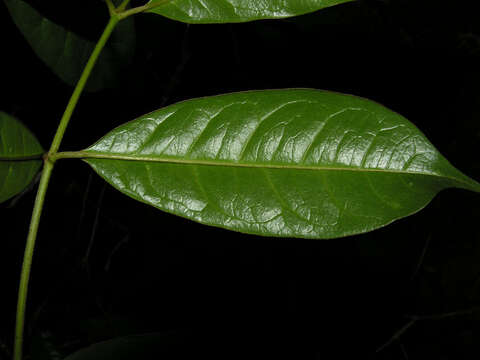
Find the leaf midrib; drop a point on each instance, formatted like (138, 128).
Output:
(38, 156)
(171, 160)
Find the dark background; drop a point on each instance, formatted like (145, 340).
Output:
(226, 295)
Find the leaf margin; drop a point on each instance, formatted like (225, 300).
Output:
(172, 10)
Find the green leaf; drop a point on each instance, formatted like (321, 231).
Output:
(66, 53)
(20, 156)
(228, 11)
(139, 347)
(290, 163)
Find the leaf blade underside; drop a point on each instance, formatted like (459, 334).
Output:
(16, 142)
(66, 53)
(230, 11)
(291, 163)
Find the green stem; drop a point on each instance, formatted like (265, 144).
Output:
(81, 84)
(140, 9)
(123, 5)
(42, 190)
(27, 259)
(110, 6)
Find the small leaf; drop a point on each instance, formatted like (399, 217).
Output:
(291, 163)
(66, 53)
(229, 11)
(20, 156)
(138, 347)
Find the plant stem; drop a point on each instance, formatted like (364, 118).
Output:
(123, 5)
(27, 259)
(42, 190)
(110, 6)
(81, 84)
(139, 9)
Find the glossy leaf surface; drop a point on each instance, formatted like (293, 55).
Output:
(291, 163)
(139, 347)
(227, 11)
(66, 53)
(17, 144)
